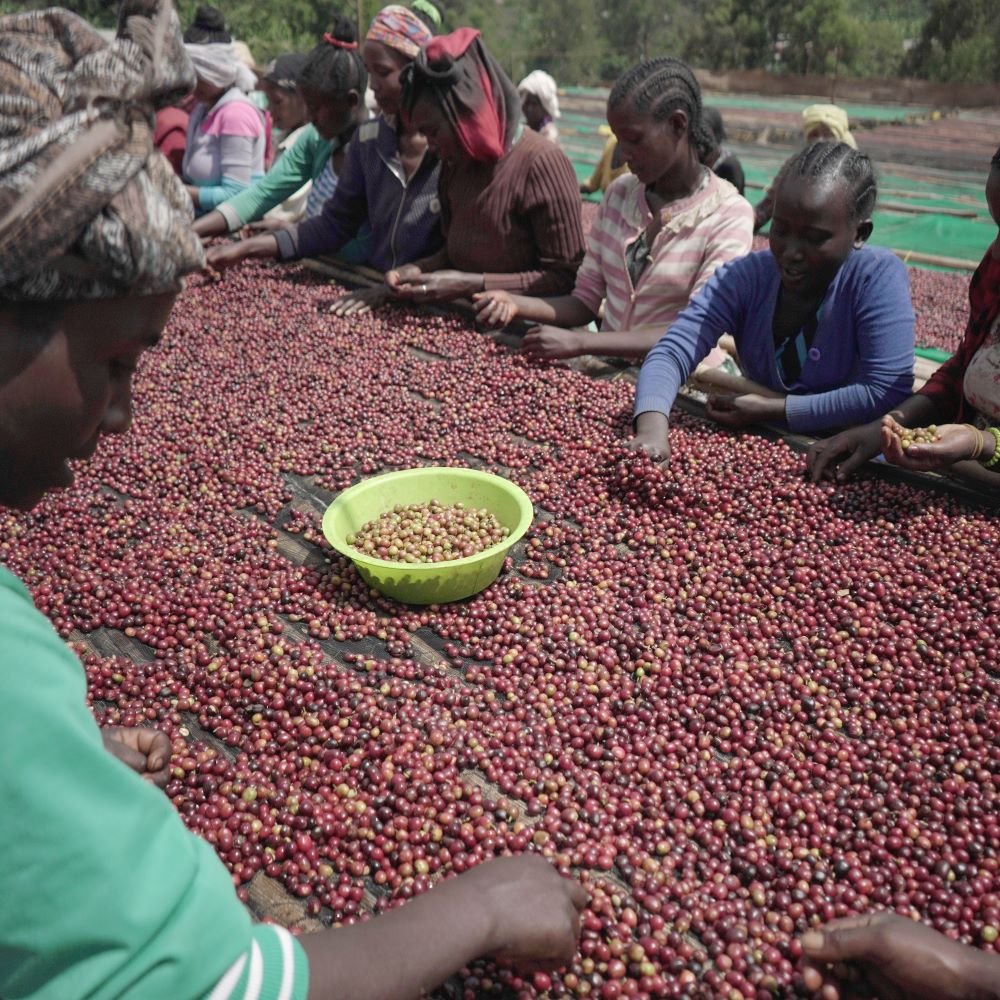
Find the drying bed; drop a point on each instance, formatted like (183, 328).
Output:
(735, 704)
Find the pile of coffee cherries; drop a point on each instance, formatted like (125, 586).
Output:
(429, 533)
(910, 436)
(734, 703)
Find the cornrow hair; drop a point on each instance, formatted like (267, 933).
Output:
(829, 160)
(658, 88)
(334, 67)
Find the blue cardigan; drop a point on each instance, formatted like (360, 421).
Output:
(860, 364)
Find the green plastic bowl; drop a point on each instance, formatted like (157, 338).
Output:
(428, 583)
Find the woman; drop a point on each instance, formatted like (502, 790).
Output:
(388, 181)
(820, 123)
(540, 104)
(821, 320)
(91, 258)
(719, 157)
(227, 133)
(609, 167)
(280, 82)
(510, 210)
(329, 84)
(962, 397)
(660, 232)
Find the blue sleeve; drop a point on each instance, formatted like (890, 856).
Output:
(342, 216)
(213, 195)
(883, 338)
(717, 309)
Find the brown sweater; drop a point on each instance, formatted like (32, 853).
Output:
(516, 221)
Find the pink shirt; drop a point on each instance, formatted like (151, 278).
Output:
(700, 232)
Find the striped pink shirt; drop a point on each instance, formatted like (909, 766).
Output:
(699, 233)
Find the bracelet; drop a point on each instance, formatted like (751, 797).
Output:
(994, 459)
(980, 441)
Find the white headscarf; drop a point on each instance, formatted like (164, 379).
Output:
(218, 64)
(544, 88)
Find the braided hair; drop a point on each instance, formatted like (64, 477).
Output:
(334, 67)
(658, 88)
(830, 160)
(208, 27)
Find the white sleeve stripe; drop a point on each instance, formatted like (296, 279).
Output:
(287, 963)
(225, 986)
(256, 977)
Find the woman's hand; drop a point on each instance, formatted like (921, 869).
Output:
(436, 286)
(494, 309)
(745, 408)
(840, 456)
(534, 912)
(265, 226)
(399, 277)
(552, 342)
(360, 301)
(229, 254)
(146, 751)
(887, 956)
(955, 443)
(223, 257)
(652, 436)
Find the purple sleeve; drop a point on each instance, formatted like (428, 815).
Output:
(717, 309)
(883, 341)
(342, 216)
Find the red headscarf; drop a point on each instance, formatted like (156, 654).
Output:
(474, 94)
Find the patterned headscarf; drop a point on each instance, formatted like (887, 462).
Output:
(544, 88)
(88, 208)
(474, 94)
(400, 29)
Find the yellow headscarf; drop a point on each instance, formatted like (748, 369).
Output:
(830, 116)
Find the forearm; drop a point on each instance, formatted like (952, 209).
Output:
(625, 343)
(974, 473)
(436, 262)
(916, 411)
(403, 954)
(557, 280)
(563, 310)
(262, 247)
(212, 224)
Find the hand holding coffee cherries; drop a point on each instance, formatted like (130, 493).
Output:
(932, 449)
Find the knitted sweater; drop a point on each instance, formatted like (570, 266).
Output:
(517, 221)
(860, 362)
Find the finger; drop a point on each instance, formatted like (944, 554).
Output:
(130, 756)
(578, 896)
(159, 752)
(812, 976)
(850, 939)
